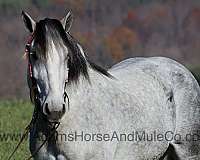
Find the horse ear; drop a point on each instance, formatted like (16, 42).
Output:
(28, 21)
(67, 21)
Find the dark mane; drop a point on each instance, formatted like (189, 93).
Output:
(77, 62)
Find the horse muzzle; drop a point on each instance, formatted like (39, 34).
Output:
(54, 113)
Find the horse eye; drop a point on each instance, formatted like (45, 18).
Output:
(34, 55)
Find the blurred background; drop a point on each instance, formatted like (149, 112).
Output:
(109, 31)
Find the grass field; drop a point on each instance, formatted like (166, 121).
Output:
(14, 116)
(196, 71)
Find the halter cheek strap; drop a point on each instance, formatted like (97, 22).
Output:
(28, 52)
(33, 88)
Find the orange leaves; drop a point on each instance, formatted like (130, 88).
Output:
(115, 48)
(131, 16)
(194, 16)
(195, 12)
(121, 41)
(156, 16)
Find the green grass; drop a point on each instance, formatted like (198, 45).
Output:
(196, 73)
(14, 116)
(196, 70)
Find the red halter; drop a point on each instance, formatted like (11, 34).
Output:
(33, 88)
(27, 52)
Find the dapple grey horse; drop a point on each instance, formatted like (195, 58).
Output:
(140, 109)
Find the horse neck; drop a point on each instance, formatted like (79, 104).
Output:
(83, 85)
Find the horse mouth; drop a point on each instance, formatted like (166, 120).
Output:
(54, 121)
(50, 120)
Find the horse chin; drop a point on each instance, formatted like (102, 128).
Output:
(53, 124)
(53, 121)
(50, 121)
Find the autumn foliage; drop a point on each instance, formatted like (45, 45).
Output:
(121, 41)
(109, 31)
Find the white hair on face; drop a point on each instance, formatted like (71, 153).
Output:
(54, 62)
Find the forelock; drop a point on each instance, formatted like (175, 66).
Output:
(48, 29)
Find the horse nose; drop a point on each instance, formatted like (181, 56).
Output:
(54, 113)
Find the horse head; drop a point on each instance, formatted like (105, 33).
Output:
(49, 54)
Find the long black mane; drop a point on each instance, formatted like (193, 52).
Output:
(77, 63)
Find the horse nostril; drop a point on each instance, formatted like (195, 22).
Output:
(47, 109)
(63, 109)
